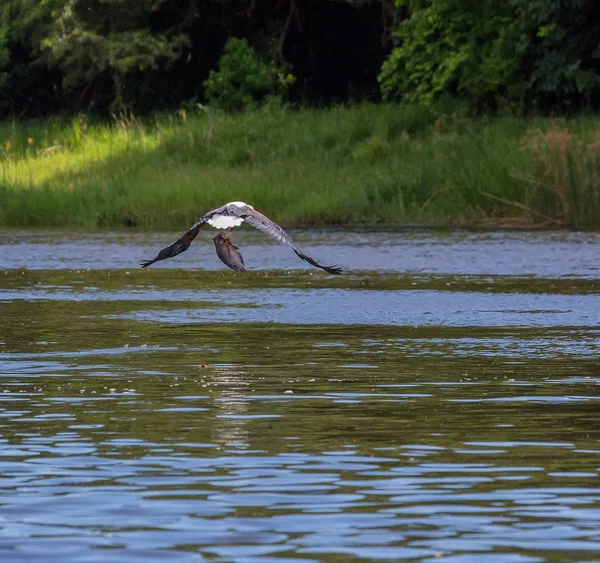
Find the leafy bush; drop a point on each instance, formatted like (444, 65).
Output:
(243, 79)
(519, 53)
(451, 46)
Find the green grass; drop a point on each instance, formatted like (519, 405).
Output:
(386, 164)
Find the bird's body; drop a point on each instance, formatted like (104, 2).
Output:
(229, 254)
(232, 215)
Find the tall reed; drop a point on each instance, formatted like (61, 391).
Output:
(566, 186)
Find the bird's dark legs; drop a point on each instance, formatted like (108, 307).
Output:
(229, 237)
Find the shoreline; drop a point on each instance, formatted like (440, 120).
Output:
(366, 165)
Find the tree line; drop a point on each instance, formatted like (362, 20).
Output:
(151, 55)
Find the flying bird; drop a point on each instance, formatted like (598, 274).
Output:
(229, 254)
(231, 215)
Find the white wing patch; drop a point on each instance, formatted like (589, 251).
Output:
(225, 221)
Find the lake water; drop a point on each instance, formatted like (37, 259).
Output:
(440, 401)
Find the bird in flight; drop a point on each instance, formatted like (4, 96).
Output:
(232, 215)
(229, 254)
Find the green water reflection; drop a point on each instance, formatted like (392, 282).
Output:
(127, 439)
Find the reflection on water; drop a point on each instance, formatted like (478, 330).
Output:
(447, 415)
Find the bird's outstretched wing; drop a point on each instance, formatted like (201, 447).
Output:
(179, 246)
(251, 216)
(272, 229)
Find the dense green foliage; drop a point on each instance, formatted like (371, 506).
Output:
(64, 54)
(366, 164)
(147, 55)
(523, 54)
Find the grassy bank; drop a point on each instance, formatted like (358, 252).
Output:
(366, 164)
